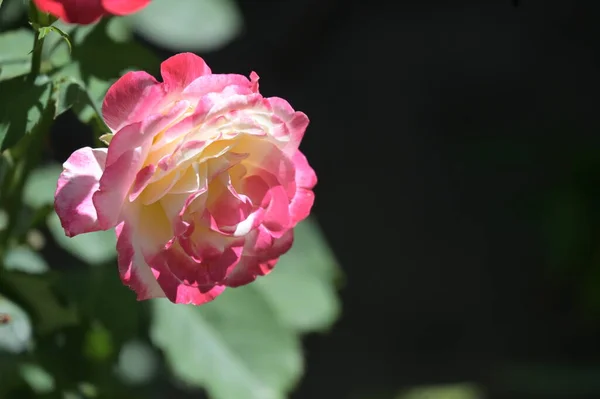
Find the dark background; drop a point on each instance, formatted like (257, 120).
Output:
(457, 148)
(458, 155)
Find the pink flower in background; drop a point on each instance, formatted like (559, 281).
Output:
(88, 11)
(202, 178)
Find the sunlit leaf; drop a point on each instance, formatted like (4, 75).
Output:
(45, 30)
(15, 48)
(94, 248)
(56, 51)
(26, 260)
(40, 186)
(71, 93)
(189, 25)
(234, 347)
(15, 332)
(22, 105)
(40, 381)
(137, 363)
(301, 288)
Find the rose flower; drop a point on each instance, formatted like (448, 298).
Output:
(202, 179)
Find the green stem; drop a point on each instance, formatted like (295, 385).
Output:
(36, 61)
(27, 152)
(37, 19)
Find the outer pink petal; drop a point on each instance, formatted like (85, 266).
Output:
(133, 269)
(131, 99)
(295, 122)
(304, 198)
(73, 11)
(124, 7)
(216, 83)
(76, 186)
(182, 69)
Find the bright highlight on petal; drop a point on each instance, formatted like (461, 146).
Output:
(202, 179)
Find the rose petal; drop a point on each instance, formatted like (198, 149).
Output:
(141, 133)
(305, 175)
(133, 269)
(180, 70)
(203, 85)
(121, 7)
(131, 99)
(141, 181)
(76, 186)
(263, 252)
(304, 197)
(115, 184)
(295, 122)
(127, 153)
(73, 11)
(182, 279)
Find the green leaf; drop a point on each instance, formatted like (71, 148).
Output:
(45, 30)
(40, 186)
(56, 52)
(138, 363)
(44, 306)
(189, 25)
(301, 288)
(15, 334)
(71, 93)
(94, 248)
(38, 379)
(15, 56)
(234, 347)
(99, 55)
(22, 105)
(26, 260)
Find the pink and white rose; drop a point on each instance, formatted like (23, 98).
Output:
(202, 179)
